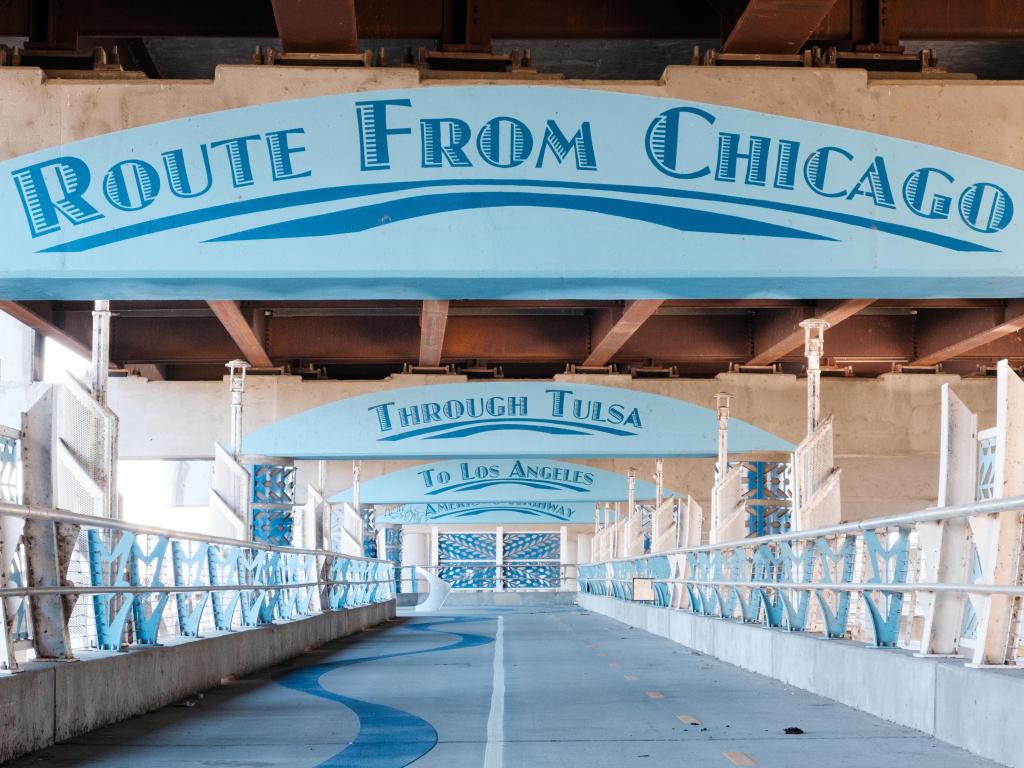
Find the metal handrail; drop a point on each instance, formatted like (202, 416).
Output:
(29, 512)
(168, 590)
(825, 586)
(928, 515)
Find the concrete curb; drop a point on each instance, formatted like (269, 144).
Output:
(48, 702)
(978, 710)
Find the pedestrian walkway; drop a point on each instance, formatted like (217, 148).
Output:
(520, 688)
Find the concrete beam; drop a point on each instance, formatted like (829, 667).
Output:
(433, 321)
(230, 315)
(834, 313)
(1008, 320)
(633, 316)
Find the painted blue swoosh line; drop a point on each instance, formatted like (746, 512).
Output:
(476, 512)
(335, 193)
(366, 217)
(475, 485)
(534, 425)
(388, 737)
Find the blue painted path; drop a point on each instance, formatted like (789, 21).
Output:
(579, 690)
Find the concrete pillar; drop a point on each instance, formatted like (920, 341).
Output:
(584, 543)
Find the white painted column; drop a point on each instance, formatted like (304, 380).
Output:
(564, 558)
(499, 583)
(415, 551)
(584, 548)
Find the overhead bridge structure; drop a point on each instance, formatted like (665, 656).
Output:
(510, 383)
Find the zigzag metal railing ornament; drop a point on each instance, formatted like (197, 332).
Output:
(859, 575)
(217, 584)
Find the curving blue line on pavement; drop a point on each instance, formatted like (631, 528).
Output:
(388, 737)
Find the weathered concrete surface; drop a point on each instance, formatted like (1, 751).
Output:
(565, 688)
(52, 702)
(975, 117)
(971, 708)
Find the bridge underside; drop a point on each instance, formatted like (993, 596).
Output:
(541, 686)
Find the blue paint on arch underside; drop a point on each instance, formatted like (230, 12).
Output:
(545, 426)
(329, 194)
(366, 217)
(586, 421)
(388, 737)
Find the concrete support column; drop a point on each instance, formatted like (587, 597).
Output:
(415, 551)
(584, 548)
(499, 544)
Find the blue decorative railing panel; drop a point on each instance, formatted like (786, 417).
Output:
(792, 583)
(273, 499)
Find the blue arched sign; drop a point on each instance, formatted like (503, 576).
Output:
(505, 420)
(494, 480)
(448, 513)
(554, 192)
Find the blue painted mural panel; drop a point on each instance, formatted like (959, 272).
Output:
(549, 188)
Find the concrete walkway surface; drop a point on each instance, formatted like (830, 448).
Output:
(526, 687)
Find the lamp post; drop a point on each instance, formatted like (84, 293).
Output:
(814, 349)
(236, 385)
(100, 371)
(722, 403)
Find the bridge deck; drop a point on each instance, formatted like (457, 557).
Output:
(560, 687)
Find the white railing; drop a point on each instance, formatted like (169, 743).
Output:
(816, 497)
(728, 506)
(346, 529)
(218, 583)
(231, 493)
(859, 580)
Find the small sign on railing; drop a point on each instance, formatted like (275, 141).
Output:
(643, 590)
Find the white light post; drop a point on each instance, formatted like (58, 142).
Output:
(659, 482)
(236, 384)
(814, 349)
(722, 403)
(100, 371)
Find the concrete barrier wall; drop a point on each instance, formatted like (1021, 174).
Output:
(978, 710)
(48, 702)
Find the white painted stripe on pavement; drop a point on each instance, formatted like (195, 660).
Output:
(496, 719)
